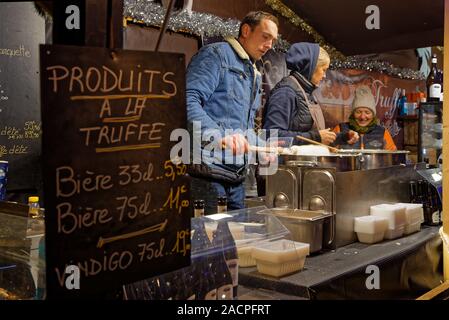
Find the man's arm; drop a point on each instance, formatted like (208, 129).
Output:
(202, 78)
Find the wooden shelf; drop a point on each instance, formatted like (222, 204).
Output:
(408, 118)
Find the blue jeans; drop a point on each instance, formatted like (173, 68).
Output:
(210, 190)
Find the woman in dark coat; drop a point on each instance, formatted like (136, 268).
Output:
(291, 107)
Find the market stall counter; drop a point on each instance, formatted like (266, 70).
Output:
(403, 268)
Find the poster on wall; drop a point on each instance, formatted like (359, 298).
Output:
(336, 93)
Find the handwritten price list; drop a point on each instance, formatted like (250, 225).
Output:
(118, 207)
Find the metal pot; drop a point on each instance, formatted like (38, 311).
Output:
(374, 159)
(349, 160)
(341, 162)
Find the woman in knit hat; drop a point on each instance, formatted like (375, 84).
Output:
(363, 120)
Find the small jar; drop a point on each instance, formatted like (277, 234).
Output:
(198, 208)
(33, 203)
(222, 204)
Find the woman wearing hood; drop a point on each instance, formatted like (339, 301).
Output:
(291, 107)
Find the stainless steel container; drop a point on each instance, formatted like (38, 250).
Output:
(307, 188)
(349, 160)
(341, 162)
(374, 159)
(304, 225)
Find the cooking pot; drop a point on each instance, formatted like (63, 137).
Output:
(342, 162)
(349, 159)
(373, 159)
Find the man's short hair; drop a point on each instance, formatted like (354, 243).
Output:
(254, 18)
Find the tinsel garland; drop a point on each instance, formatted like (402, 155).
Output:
(297, 21)
(377, 66)
(152, 14)
(196, 23)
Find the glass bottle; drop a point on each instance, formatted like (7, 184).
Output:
(189, 277)
(403, 104)
(435, 211)
(198, 208)
(223, 239)
(202, 275)
(222, 204)
(413, 191)
(426, 206)
(33, 203)
(433, 82)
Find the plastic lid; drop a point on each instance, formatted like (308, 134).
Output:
(247, 226)
(33, 199)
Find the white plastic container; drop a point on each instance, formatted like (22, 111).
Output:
(280, 257)
(244, 253)
(395, 214)
(413, 227)
(394, 233)
(413, 212)
(414, 216)
(245, 248)
(237, 229)
(370, 229)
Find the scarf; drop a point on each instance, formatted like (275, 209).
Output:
(353, 125)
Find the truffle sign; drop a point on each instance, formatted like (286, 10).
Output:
(116, 206)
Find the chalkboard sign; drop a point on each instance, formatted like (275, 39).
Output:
(22, 30)
(117, 208)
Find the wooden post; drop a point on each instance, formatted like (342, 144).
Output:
(445, 216)
(164, 25)
(115, 20)
(96, 23)
(101, 23)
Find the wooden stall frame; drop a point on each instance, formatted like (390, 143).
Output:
(445, 216)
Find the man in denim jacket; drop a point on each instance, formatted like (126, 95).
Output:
(223, 89)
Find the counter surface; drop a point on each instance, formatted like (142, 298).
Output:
(341, 273)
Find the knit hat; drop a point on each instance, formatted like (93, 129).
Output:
(364, 99)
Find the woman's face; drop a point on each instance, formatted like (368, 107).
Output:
(363, 116)
(319, 74)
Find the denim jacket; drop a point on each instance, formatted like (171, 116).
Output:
(223, 87)
(223, 90)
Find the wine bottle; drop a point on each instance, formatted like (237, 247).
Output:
(413, 191)
(222, 276)
(223, 239)
(433, 82)
(198, 207)
(222, 204)
(201, 274)
(435, 210)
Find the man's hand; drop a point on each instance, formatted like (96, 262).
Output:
(236, 142)
(327, 136)
(353, 137)
(265, 158)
